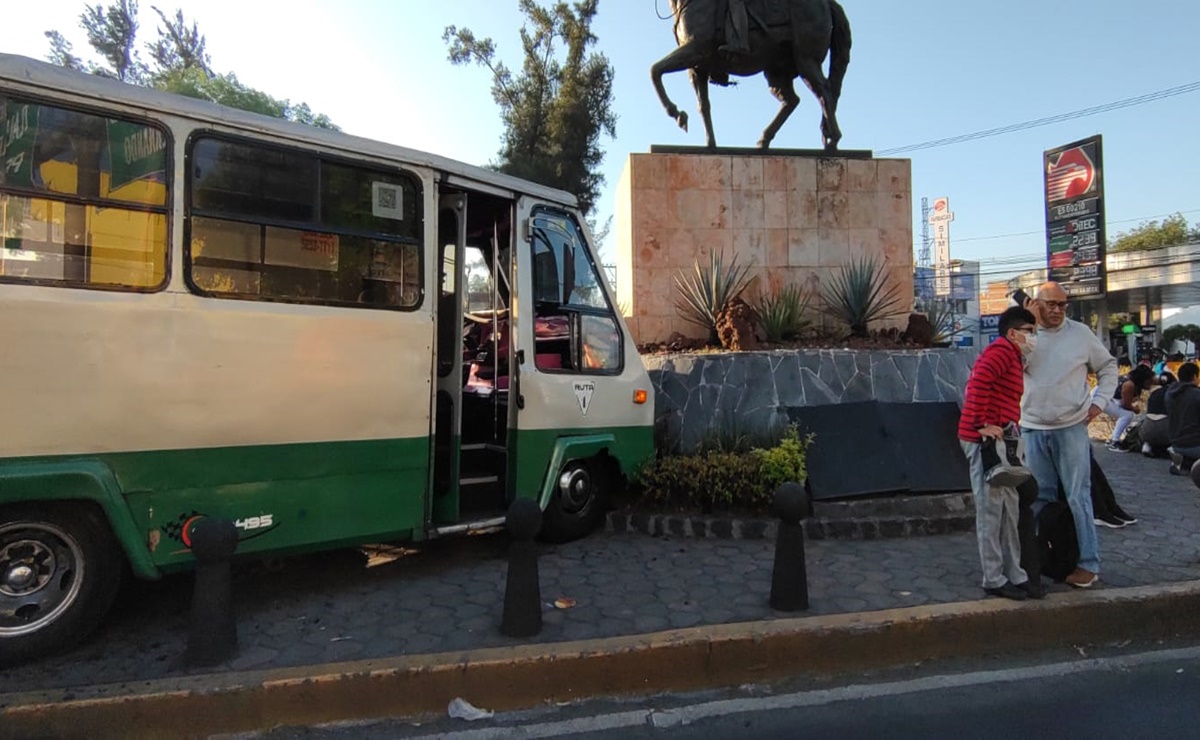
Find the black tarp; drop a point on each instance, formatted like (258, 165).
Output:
(869, 448)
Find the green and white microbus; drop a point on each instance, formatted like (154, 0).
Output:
(324, 339)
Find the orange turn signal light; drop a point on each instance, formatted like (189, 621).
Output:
(640, 396)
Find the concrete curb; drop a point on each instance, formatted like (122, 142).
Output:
(865, 519)
(526, 676)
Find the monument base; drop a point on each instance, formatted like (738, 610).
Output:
(794, 216)
(756, 152)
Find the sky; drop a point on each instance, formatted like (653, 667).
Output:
(920, 70)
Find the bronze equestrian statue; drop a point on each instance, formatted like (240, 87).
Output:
(782, 39)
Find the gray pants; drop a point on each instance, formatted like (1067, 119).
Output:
(995, 525)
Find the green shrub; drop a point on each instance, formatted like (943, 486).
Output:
(785, 461)
(724, 479)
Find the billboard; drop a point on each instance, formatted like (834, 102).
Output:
(940, 218)
(1075, 229)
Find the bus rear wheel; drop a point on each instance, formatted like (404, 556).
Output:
(59, 574)
(578, 503)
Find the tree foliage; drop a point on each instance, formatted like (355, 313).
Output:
(1154, 235)
(179, 61)
(558, 106)
(1188, 333)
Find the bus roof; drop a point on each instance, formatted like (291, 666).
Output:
(51, 77)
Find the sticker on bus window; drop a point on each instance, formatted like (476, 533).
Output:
(583, 393)
(387, 201)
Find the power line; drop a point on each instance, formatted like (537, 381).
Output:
(1043, 231)
(1037, 122)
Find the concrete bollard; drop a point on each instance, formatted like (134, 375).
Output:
(212, 638)
(522, 590)
(789, 579)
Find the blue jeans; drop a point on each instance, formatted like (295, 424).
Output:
(1065, 454)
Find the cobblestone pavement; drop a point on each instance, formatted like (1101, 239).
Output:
(448, 596)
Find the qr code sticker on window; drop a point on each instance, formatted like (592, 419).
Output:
(387, 200)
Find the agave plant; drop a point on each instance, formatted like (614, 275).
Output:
(706, 292)
(860, 294)
(782, 313)
(941, 316)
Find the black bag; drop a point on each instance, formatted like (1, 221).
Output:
(1004, 459)
(1058, 545)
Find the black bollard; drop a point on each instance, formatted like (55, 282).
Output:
(789, 579)
(213, 635)
(522, 590)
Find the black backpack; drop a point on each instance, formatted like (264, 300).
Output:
(1058, 544)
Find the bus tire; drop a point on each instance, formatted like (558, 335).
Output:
(579, 501)
(60, 570)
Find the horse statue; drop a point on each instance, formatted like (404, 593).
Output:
(787, 39)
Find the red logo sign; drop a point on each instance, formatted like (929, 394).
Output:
(1070, 175)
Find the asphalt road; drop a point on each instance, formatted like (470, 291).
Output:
(1146, 694)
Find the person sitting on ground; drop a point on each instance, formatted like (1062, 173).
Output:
(1124, 404)
(1154, 431)
(1105, 509)
(993, 400)
(1183, 419)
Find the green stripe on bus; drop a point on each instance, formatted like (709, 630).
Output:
(285, 498)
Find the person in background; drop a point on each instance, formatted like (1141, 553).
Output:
(1183, 419)
(1124, 404)
(991, 401)
(1155, 429)
(1055, 411)
(1105, 509)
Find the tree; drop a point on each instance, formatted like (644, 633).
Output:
(179, 62)
(1153, 235)
(112, 32)
(179, 47)
(558, 107)
(1187, 333)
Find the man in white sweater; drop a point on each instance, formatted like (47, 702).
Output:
(1055, 410)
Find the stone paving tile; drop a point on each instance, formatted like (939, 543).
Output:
(448, 595)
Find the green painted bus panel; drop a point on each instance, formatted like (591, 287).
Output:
(75, 479)
(316, 494)
(286, 516)
(535, 451)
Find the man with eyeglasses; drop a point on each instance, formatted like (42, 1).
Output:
(1055, 410)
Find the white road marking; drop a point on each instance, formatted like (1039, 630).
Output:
(685, 715)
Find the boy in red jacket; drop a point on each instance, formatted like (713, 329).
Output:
(993, 399)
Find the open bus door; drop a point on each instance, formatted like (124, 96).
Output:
(452, 227)
(584, 416)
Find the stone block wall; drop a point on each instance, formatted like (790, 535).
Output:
(795, 219)
(699, 396)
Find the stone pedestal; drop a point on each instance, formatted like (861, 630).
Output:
(795, 218)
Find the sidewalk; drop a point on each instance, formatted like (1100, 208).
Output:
(448, 598)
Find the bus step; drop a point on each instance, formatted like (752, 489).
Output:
(479, 480)
(484, 446)
(480, 525)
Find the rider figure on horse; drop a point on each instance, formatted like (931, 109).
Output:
(737, 30)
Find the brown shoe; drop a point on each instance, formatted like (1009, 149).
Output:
(1082, 578)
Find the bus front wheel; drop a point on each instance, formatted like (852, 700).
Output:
(59, 574)
(578, 503)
